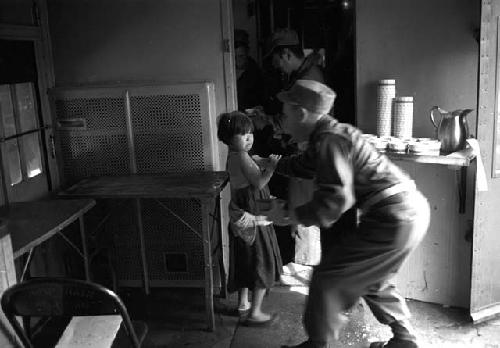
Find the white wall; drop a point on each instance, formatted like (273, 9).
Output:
(428, 46)
(137, 40)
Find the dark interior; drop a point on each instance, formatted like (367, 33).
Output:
(320, 24)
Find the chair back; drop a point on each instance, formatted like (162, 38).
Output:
(61, 297)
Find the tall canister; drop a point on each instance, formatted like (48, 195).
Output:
(402, 117)
(386, 91)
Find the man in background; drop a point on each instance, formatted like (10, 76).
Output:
(287, 54)
(289, 58)
(250, 86)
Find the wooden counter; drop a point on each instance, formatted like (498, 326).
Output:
(461, 158)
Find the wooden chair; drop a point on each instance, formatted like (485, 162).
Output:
(66, 298)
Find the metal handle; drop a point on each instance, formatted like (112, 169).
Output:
(434, 108)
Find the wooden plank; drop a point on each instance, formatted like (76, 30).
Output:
(90, 331)
(8, 259)
(459, 158)
(7, 279)
(186, 185)
(485, 279)
(32, 223)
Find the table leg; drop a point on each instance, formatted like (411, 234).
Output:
(142, 244)
(220, 249)
(84, 248)
(27, 264)
(207, 254)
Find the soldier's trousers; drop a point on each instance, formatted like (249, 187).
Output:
(362, 264)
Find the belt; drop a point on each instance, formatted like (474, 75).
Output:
(407, 186)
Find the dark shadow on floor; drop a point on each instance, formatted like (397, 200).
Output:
(176, 318)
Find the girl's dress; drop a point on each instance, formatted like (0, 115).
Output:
(257, 264)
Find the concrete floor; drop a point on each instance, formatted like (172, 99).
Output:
(176, 319)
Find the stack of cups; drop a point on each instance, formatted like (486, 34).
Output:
(385, 93)
(402, 120)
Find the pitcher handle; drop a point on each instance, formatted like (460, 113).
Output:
(434, 108)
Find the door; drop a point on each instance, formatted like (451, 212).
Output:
(485, 283)
(24, 173)
(26, 160)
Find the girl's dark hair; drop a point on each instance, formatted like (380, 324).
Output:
(231, 124)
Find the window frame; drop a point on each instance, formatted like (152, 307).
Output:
(39, 35)
(19, 136)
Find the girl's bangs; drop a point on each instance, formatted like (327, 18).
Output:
(243, 125)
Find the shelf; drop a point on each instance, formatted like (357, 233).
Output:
(461, 158)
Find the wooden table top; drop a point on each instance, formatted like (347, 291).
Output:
(31, 223)
(205, 184)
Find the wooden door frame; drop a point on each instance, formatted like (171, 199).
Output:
(231, 104)
(487, 112)
(228, 54)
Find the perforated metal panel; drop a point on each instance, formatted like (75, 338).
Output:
(168, 128)
(165, 234)
(101, 113)
(89, 155)
(99, 148)
(175, 125)
(172, 130)
(125, 253)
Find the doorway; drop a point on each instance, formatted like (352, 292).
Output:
(325, 26)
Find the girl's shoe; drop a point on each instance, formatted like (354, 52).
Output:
(261, 323)
(242, 311)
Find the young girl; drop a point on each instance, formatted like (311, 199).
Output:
(255, 260)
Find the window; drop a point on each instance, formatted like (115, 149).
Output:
(27, 154)
(21, 146)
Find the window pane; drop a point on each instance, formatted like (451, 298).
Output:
(11, 156)
(32, 154)
(6, 111)
(26, 106)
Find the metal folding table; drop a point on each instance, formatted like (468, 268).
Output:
(204, 186)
